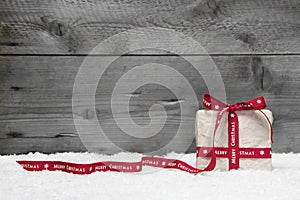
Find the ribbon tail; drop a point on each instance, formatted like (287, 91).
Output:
(126, 167)
(233, 141)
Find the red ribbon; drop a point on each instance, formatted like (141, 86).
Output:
(109, 166)
(233, 152)
(223, 152)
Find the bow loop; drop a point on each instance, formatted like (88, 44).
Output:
(258, 103)
(212, 103)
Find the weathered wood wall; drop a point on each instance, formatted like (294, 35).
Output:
(254, 43)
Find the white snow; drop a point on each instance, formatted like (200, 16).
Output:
(283, 182)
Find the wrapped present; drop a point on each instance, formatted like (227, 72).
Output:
(239, 139)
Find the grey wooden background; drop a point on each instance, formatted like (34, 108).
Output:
(254, 43)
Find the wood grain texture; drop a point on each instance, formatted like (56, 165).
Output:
(36, 100)
(221, 27)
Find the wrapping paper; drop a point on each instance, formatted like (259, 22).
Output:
(254, 132)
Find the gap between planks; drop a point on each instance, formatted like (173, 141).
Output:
(211, 54)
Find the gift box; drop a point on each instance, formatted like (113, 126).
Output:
(240, 139)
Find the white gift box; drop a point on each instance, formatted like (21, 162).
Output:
(254, 132)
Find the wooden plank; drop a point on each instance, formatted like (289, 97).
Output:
(36, 100)
(40, 144)
(221, 27)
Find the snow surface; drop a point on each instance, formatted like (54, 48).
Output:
(283, 182)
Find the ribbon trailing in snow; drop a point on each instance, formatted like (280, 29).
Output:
(108, 166)
(233, 152)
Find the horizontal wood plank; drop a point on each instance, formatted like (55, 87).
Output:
(221, 27)
(36, 100)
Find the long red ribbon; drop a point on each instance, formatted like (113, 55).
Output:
(234, 153)
(109, 166)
